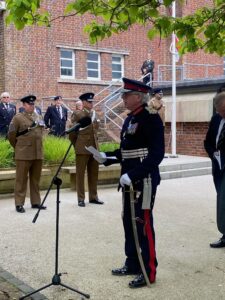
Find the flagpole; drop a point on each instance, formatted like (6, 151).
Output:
(173, 116)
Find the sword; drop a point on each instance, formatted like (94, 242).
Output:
(134, 226)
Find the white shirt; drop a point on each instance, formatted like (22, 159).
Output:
(217, 153)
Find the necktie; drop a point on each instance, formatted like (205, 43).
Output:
(59, 112)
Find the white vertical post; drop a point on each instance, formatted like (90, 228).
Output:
(173, 117)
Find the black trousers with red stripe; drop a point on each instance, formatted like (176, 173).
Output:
(146, 235)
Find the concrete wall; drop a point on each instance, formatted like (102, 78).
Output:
(191, 107)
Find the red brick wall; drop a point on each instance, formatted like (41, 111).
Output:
(32, 56)
(32, 62)
(189, 138)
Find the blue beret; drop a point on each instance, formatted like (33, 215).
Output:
(57, 98)
(157, 91)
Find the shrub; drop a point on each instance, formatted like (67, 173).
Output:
(104, 147)
(54, 151)
(55, 148)
(6, 154)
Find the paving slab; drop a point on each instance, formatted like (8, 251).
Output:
(91, 243)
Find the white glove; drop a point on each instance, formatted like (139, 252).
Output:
(101, 158)
(125, 180)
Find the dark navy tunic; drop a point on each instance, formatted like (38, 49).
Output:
(140, 153)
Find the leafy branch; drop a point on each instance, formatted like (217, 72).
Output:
(204, 29)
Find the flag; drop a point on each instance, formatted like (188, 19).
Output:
(177, 47)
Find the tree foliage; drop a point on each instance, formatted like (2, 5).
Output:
(204, 29)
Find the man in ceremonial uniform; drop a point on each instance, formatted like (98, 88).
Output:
(7, 111)
(25, 135)
(140, 153)
(56, 117)
(84, 160)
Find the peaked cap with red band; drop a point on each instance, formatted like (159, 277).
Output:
(131, 85)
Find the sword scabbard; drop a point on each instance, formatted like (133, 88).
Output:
(134, 226)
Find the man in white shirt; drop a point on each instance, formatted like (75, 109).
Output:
(7, 111)
(55, 117)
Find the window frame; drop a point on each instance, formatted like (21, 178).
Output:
(121, 64)
(98, 65)
(73, 64)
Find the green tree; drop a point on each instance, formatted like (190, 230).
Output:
(204, 29)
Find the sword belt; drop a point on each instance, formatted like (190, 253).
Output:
(134, 153)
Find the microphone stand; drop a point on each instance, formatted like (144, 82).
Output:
(56, 280)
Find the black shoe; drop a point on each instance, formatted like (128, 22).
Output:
(37, 206)
(96, 201)
(123, 271)
(81, 203)
(138, 281)
(218, 244)
(20, 209)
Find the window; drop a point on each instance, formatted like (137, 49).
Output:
(93, 65)
(67, 63)
(117, 67)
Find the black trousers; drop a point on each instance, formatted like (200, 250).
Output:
(146, 236)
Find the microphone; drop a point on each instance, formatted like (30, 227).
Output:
(84, 122)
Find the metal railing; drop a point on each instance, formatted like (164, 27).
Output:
(187, 70)
(112, 101)
(110, 104)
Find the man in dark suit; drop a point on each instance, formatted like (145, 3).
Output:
(55, 117)
(147, 70)
(214, 146)
(141, 151)
(7, 111)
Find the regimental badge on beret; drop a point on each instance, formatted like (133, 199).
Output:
(131, 85)
(28, 99)
(87, 97)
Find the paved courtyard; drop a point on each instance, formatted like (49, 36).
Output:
(91, 243)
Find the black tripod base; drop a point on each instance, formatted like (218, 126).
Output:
(56, 280)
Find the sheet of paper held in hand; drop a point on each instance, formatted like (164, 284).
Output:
(96, 153)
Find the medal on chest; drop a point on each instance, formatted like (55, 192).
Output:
(132, 128)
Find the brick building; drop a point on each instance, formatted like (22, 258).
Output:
(60, 60)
